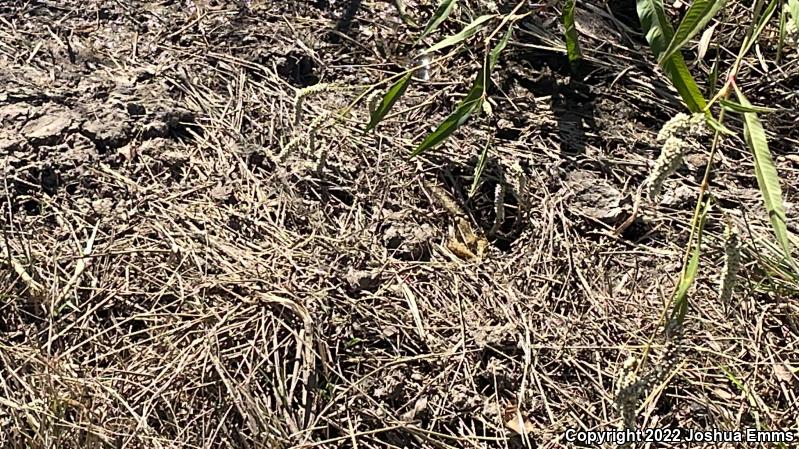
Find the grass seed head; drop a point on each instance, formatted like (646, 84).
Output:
(667, 163)
(683, 126)
(307, 92)
(732, 261)
(629, 389)
(315, 89)
(632, 385)
(677, 135)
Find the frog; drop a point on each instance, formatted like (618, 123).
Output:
(464, 240)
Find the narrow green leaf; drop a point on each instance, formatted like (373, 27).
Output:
(497, 50)
(467, 32)
(697, 16)
(733, 106)
(734, 379)
(767, 178)
(659, 33)
(680, 302)
(761, 24)
(479, 168)
(655, 24)
(570, 32)
(456, 119)
(439, 16)
(713, 78)
(392, 95)
(744, 388)
(716, 125)
(473, 101)
(465, 108)
(677, 71)
(788, 15)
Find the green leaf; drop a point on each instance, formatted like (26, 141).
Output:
(456, 119)
(697, 16)
(732, 106)
(467, 32)
(767, 178)
(497, 50)
(473, 101)
(439, 16)
(655, 24)
(761, 24)
(716, 125)
(680, 302)
(659, 33)
(394, 93)
(677, 71)
(713, 77)
(570, 32)
(479, 168)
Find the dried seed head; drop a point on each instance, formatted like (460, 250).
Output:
(320, 121)
(669, 160)
(627, 375)
(732, 261)
(677, 135)
(499, 208)
(290, 145)
(315, 89)
(669, 356)
(306, 92)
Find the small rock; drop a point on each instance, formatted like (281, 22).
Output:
(47, 126)
(9, 144)
(109, 132)
(594, 197)
(15, 111)
(679, 197)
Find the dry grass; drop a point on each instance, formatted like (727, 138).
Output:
(186, 264)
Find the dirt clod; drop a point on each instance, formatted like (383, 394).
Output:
(47, 127)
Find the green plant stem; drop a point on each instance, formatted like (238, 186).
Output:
(703, 187)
